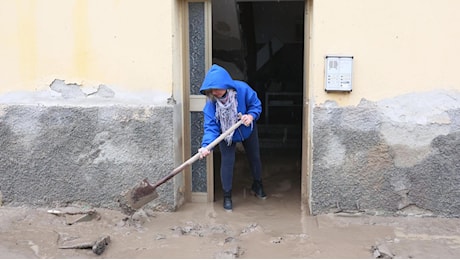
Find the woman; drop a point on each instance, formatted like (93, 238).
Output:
(226, 99)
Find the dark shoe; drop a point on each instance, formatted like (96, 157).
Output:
(228, 204)
(228, 201)
(258, 190)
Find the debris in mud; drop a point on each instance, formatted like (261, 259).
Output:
(276, 240)
(382, 251)
(71, 219)
(199, 230)
(229, 240)
(160, 237)
(236, 252)
(231, 253)
(75, 215)
(141, 216)
(251, 228)
(287, 237)
(137, 219)
(98, 246)
(70, 211)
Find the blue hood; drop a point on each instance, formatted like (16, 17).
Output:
(247, 100)
(217, 78)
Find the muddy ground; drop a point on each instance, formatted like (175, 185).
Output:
(272, 228)
(255, 229)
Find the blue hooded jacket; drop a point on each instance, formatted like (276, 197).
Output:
(248, 103)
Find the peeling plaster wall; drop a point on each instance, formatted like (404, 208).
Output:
(398, 155)
(61, 147)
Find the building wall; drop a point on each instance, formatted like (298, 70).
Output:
(398, 47)
(391, 144)
(90, 103)
(58, 155)
(127, 44)
(90, 95)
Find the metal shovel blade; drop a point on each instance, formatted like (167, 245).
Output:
(144, 192)
(137, 197)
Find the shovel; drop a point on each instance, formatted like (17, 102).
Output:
(144, 192)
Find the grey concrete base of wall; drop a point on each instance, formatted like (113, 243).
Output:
(395, 156)
(58, 155)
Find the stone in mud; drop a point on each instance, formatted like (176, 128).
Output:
(382, 252)
(100, 245)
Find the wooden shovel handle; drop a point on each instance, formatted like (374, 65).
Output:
(197, 155)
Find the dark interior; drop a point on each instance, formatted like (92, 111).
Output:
(261, 42)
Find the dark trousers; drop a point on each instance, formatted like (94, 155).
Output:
(251, 146)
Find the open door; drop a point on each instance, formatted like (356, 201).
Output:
(262, 43)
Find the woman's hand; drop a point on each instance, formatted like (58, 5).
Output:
(203, 152)
(247, 119)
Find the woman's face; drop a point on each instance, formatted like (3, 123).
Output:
(218, 93)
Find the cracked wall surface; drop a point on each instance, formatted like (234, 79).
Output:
(388, 156)
(61, 154)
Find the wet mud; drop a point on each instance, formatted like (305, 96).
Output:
(271, 228)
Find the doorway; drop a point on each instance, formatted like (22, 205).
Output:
(262, 43)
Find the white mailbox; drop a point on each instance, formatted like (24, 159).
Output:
(338, 73)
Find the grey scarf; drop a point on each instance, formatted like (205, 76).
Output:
(226, 113)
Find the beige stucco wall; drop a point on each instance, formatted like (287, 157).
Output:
(126, 44)
(399, 46)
